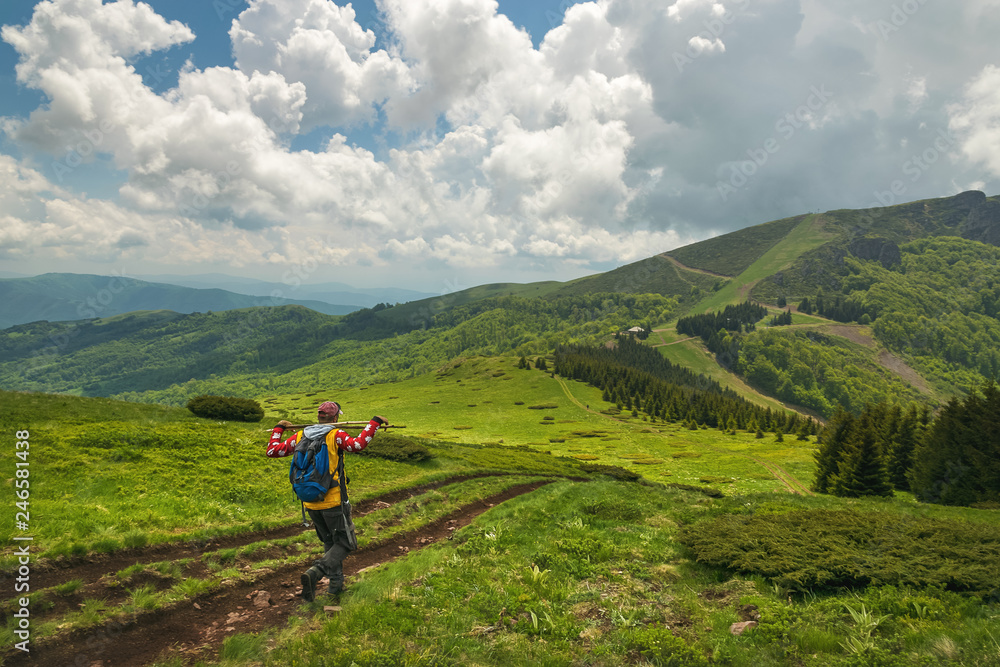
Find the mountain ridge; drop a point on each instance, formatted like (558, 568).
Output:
(59, 297)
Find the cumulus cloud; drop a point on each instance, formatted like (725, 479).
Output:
(320, 45)
(977, 121)
(633, 127)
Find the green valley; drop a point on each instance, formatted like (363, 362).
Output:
(729, 483)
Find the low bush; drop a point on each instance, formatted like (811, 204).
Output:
(615, 472)
(397, 448)
(830, 549)
(708, 491)
(226, 408)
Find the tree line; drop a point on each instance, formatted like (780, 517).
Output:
(637, 378)
(721, 330)
(953, 459)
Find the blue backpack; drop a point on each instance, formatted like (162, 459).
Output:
(310, 470)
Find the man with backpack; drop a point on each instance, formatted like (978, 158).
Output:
(317, 475)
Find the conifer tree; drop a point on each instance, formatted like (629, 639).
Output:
(957, 462)
(832, 440)
(863, 469)
(903, 442)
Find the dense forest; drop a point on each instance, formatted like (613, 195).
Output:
(805, 368)
(938, 306)
(637, 378)
(721, 330)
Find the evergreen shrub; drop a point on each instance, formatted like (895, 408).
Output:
(615, 472)
(226, 408)
(397, 448)
(830, 549)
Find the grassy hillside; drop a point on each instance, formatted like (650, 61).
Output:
(169, 357)
(60, 297)
(854, 256)
(595, 539)
(809, 232)
(655, 275)
(731, 254)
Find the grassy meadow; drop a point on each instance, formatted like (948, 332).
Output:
(650, 541)
(806, 235)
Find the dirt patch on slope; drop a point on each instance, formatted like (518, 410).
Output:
(853, 333)
(900, 368)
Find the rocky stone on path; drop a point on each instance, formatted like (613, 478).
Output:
(262, 600)
(739, 628)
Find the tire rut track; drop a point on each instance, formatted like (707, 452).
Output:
(195, 628)
(92, 568)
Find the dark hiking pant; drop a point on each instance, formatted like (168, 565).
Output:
(336, 531)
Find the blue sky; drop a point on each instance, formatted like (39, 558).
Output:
(441, 144)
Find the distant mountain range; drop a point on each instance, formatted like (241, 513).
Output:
(330, 292)
(70, 296)
(900, 302)
(60, 297)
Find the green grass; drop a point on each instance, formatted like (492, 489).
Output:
(807, 235)
(573, 573)
(538, 581)
(731, 254)
(692, 354)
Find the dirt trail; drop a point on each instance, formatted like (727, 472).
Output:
(705, 272)
(195, 629)
(791, 483)
(683, 340)
(91, 568)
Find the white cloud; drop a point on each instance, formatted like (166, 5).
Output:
(594, 147)
(977, 121)
(321, 46)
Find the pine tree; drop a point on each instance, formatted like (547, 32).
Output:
(863, 470)
(903, 442)
(832, 440)
(957, 461)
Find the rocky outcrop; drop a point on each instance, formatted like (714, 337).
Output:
(983, 223)
(878, 249)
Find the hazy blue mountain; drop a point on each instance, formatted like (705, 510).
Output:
(72, 296)
(330, 292)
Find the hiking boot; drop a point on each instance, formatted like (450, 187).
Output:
(309, 579)
(335, 589)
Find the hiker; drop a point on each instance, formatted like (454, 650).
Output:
(331, 515)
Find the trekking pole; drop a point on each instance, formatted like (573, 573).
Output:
(301, 426)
